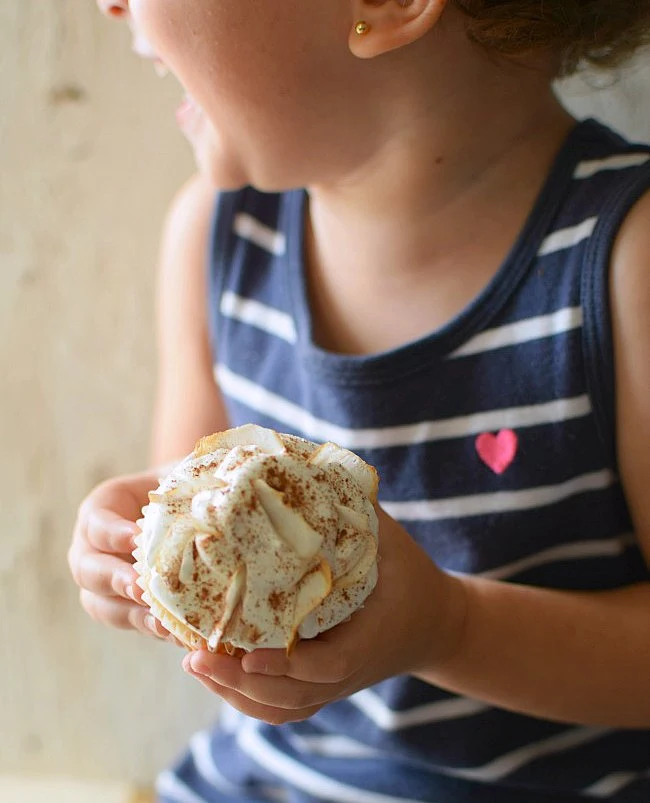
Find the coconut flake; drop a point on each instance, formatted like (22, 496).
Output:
(365, 475)
(289, 524)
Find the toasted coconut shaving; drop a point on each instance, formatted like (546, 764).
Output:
(203, 542)
(363, 473)
(229, 649)
(365, 555)
(207, 445)
(312, 590)
(248, 435)
(233, 598)
(359, 521)
(290, 525)
(186, 572)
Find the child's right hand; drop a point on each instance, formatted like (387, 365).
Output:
(100, 554)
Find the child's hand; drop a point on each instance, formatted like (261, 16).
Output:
(412, 619)
(100, 554)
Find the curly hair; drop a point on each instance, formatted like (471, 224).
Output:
(600, 33)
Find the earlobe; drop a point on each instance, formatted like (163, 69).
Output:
(380, 26)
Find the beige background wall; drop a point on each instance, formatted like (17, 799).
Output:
(89, 158)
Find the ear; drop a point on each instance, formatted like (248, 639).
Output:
(391, 24)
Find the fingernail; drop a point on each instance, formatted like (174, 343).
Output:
(130, 593)
(132, 531)
(252, 665)
(195, 665)
(188, 666)
(151, 624)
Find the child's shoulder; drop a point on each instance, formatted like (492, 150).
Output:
(189, 215)
(630, 261)
(629, 303)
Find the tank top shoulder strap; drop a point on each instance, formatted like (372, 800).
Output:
(243, 220)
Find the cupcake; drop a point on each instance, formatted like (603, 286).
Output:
(258, 539)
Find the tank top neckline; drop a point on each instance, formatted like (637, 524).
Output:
(424, 352)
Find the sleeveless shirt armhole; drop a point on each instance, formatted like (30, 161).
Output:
(598, 346)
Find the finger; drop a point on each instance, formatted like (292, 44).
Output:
(121, 614)
(107, 576)
(319, 660)
(267, 662)
(107, 532)
(266, 713)
(277, 692)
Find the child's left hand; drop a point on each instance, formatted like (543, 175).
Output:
(410, 622)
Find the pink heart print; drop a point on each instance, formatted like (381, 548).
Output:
(497, 451)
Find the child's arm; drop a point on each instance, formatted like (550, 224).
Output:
(188, 404)
(580, 657)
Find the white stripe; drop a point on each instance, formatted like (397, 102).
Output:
(319, 786)
(229, 718)
(504, 765)
(267, 238)
(259, 315)
(332, 747)
(612, 784)
(208, 770)
(385, 718)
(285, 412)
(171, 787)
(501, 502)
(205, 766)
(575, 551)
(590, 168)
(565, 238)
(522, 332)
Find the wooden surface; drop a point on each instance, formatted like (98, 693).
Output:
(61, 790)
(90, 157)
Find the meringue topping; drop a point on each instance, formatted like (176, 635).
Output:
(257, 539)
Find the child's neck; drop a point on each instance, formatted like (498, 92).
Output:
(426, 223)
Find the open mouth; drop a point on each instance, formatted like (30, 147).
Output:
(189, 114)
(141, 47)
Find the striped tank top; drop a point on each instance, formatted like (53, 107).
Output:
(494, 440)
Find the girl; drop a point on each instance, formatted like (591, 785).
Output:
(430, 263)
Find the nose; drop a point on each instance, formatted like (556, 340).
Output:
(114, 8)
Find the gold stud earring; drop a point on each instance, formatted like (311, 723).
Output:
(362, 28)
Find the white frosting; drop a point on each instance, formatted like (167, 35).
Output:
(264, 538)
